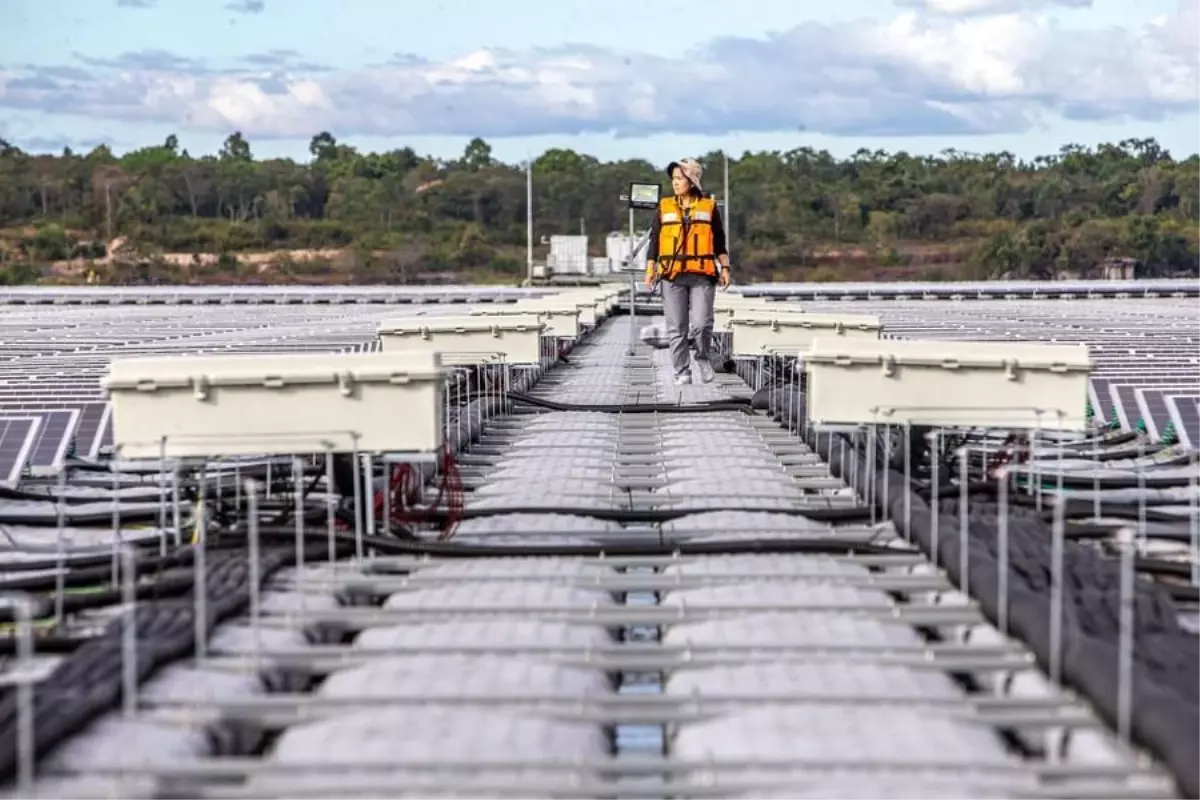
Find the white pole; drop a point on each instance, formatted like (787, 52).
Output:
(727, 216)
(529, 221)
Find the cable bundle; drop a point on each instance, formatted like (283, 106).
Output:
(405, 488)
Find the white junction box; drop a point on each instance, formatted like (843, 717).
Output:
(591, 310)
(563, 319)
(560, 320)
(733, 299)
(515, 336)
(592, 306)
(212, 406)
(612, 295)
(756, 310)
(947, 383)
(759, 332)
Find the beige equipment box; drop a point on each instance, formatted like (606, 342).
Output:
(517, 337)
(733, 300)
(561, 320)
(606, 299)
(612, 294)
(947, 383)
(588, 304)
(564, 318)
(590, 310)
(765, 332)
(754, 310)
(212, 406)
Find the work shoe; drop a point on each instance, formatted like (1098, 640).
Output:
(683, 379)
(704, 369)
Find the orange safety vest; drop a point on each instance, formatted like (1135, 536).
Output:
(685, 245)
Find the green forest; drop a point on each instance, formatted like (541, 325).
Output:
(162, 215)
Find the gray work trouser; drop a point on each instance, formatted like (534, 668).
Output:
(688, 306)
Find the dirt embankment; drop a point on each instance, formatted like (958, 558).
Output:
(120, 250)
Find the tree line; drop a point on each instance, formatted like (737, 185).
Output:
(400, 216)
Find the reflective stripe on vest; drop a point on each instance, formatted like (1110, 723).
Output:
(686, 244)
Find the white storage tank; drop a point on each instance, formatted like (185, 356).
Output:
(600, 265)
(568, 255)
(617, 247)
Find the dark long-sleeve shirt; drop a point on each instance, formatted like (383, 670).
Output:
(720, 248)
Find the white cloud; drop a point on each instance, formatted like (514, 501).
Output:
(942, 69)
(971, 7)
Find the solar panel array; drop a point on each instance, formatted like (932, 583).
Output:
(224, 295)
(253, 295)
(1146, 352)
(17, 437)
(52, 356)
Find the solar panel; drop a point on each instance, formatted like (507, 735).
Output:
(104, 434)
(54, 439)
(1124, 396)
(1185, 417)
(1100, 400)
(92, 421)
(1152, 404)
(18, 437)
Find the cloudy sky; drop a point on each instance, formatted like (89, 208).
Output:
(615, 78)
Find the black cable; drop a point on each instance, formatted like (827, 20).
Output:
(70, 560)
(1166, 718)
(733, 404)
(847, 514)
(1076, 509)
(88, 682)
(79, 519)
(1182, 593)
(1086, 531)
(98, 569)
(86, 519)
(168, 584)
(1048, 485)
(1101, 482)
(830, 544)
(44, 644)
(1162, 566)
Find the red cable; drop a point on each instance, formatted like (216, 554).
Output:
(405, 490)
(1012, 452)
(454, 500)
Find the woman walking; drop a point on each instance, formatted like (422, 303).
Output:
(689, 258)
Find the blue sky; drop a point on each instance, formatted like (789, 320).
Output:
(616, 78)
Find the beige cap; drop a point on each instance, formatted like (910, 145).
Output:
(691, 170)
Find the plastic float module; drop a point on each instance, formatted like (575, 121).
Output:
(947, 383)
(516, 338)
(759, 332)
(208, 406)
